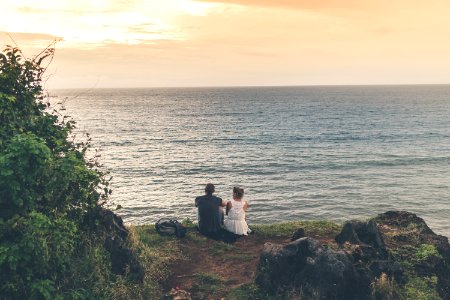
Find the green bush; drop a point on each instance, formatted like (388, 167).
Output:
(35, 254)
(47, 186)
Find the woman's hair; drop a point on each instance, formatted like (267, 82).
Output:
(238, 192)
(210, 188)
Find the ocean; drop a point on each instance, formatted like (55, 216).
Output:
(300, 153)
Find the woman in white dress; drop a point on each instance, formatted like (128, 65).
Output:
(235, 221)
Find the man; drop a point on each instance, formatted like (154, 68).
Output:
(210, 212)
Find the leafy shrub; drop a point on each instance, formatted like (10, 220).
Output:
(47, 186)
(35, 249)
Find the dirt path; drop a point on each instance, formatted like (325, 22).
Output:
(211, 269)
(233, 264)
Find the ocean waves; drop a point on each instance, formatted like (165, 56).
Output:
(300, 153)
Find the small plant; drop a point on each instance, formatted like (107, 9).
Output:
(384, 288)
(187, 222)
(425, 251)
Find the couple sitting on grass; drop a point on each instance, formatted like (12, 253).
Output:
(211, 215)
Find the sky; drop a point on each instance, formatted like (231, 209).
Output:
(168, 43)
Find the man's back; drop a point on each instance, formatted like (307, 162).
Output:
(208, 212)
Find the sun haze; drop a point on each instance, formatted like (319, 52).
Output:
(138, 43)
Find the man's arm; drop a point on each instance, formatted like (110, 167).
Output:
(196, 202)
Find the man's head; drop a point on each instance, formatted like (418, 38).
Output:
(210, 189)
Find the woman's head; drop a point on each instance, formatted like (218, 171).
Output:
(238, 193)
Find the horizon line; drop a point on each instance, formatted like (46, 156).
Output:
(252, 86)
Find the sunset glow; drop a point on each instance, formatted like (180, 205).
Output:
(234, 42)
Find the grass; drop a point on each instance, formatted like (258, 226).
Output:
(161, 254)
(206, 284)
(250, 291)
(411, 253)
(417, 287)
(156, 253)
(219, 249)
(421, 288)
(312, 228)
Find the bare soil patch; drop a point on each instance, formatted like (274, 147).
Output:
(210, 269)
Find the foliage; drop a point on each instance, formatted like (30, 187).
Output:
(421, 288)
(385, 288)
(32, 248)
(47, 185)
(426, 250)
(157, 254)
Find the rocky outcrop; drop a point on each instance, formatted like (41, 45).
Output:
(308, 270)
(405, 230)
(364, 242)
(364, 251)
(406, 224)
(318, 272)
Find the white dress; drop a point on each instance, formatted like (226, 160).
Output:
(235, 222)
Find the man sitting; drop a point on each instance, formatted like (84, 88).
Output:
(210, 213)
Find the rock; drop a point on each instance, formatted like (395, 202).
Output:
(310, 270)
(404, 219)
(357, 232)
(306, 269)
(299, 233)
(123, 257)
(412, 231)
(369, 250)
(424, 235)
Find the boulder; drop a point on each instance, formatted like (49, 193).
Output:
(368, 250)
(308, 270)
(358, 232)
(404, 219)
(298, 234)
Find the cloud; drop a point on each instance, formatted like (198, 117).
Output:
(322, 5)
(87, 23)
(30, 36)
(30, 43)
(241, 42)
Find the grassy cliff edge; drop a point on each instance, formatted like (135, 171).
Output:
(209, 269)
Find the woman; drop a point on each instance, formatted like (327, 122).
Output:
(235, 221)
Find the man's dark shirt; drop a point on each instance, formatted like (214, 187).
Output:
(208, 213)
